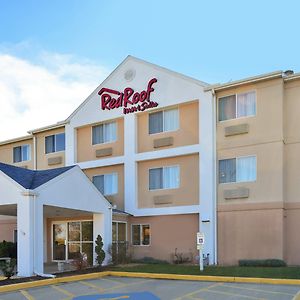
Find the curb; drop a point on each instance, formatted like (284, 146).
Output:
(38, 283)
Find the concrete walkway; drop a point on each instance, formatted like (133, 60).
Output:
(151, 289)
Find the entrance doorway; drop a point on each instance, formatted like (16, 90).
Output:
(70, 239)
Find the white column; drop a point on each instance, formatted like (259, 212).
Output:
(38, 223)
(130, 176)
(102, 224)
(25, 215)
(207, 177)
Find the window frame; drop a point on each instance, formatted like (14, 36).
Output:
(236, 101)
(29, 153)
(117, 174)
(103, 123)
(163, 189)
(243, 156)
(55, 134)
(141, 226)
(163, 111)
(117, 230)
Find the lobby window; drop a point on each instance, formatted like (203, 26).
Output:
(104, 133)
(107, 184)
(55, 143)
(240, 169)
(21, 153)
(237, 106)
(165, 120)
(164, 178)
(140, 235)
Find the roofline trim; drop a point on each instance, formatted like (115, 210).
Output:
(15, 140)
(292, 77)
(254, 79)
(49, 127)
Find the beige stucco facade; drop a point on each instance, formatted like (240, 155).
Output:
(167, 234)
(117, 199)
(263, 223)
(86, 151)
(6, 152)
(187, 134)
(49, 160)
(186, 194)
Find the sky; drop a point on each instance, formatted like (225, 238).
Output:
(53, 54)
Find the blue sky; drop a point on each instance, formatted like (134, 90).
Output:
(80, 42)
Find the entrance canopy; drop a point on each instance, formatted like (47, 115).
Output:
(35, 195)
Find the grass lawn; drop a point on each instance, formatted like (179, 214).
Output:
(262, 272)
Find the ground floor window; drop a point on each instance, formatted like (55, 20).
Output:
(72, 238)
(140, 234)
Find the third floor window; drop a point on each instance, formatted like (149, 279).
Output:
(165, 120)
(237, 106)
(55, 143)
(104, 133)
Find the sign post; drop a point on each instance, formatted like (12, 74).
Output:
(200, 242)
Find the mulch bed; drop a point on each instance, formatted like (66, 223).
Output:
(63, 274)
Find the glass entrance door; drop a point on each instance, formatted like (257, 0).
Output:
(59, 241)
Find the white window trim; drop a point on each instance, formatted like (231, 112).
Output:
(141, 230)
(55, 134)
(29, 152)
(236, 117)
(163, 189)
(244, 156)
(104, 143)
(104, 182)
(163, 111)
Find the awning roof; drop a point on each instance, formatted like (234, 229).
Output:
(30, 179)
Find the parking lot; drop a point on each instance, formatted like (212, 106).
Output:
(151, 289)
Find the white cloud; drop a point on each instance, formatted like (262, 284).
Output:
(37, 94)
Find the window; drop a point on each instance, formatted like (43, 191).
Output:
(21, 153)
(140, 235)
(240, 169)
(107, 184)
(237, 106)
(55, 143)
(104, 133)
(165, 120)
(80, 239)
(164, 178)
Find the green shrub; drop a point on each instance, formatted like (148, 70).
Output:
(8, 268)
(8, 249)
(99, 250)
(262, 263)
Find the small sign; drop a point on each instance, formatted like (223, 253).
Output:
(200, 238)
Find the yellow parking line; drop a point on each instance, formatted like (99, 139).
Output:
(258, 290)
(127, 284)
(198, 291)
(59, 289)
(98, 288)
(232, 294)
(27, 295)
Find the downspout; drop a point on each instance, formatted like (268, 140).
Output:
(214, 192)
(34, 153)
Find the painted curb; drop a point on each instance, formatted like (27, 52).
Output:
(38, 283)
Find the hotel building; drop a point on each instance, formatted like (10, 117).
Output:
(174, 156)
